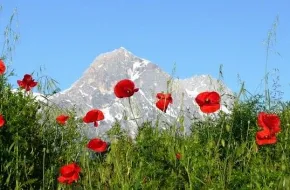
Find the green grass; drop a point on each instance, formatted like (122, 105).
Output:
(219, 153)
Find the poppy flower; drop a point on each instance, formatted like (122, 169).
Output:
(178, 156)
(264, 137)
(97, 145)
(2, 67)
(69, 173)
(61, 119)
(269, 121)
(2, 121)
(94, 116)
(125, 88)
(270, 124)
(164, 101)
(208, 102)
(27, 82)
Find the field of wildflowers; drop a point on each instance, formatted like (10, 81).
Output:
(43, 147)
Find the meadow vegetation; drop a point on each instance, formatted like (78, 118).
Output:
(43, 147)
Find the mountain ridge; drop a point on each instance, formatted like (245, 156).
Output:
(94, 90)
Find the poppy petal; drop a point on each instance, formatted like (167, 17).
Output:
(67, 170)
(270, 121)
(97, 145)
(265, 133)
(169, 99)
(27, 82)
(85, 120)
(159, 95)
(62, 179)
(32, 84)
(100, 116)
(265, 141)
(162, 105)
(200, 98)
(61, 119)
(27, 88)
(164, 101)
(2, 121)
(214, 97)
(94, 115)
(118, 92)
(2, 67)
(178, 156)
(125, 88)
(261, 117)
(27, 78)
(208, 102)
(273, 122)
(69, 173)
(20, 83)
(210, 108)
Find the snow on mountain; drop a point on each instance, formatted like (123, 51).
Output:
(37, 96)
(95, 90)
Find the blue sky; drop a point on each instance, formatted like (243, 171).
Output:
(66, 36)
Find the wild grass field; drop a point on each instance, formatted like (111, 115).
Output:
(42, 146)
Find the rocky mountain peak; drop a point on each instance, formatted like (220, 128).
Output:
(94, 90)
(120, 54)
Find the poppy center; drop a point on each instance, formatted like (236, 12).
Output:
(207, 100)
(129, 91)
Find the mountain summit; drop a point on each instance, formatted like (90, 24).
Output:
(94, 90)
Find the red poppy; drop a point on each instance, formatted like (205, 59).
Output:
(69, 173)
(208, 102)
(61, 119)
(27, 82)
(94, 116)
(125, 88)
(265, 137)
(270, 124)
(164, 101)
(270, 121)
(178, 156)
(97, 145)
(2, 67)
(2, 121)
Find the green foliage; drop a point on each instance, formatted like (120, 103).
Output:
(18, 140)
(33, 146)
(220, 152)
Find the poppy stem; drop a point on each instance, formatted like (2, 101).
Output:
(133, 113)
(89, 174)
(220, 136)
(17, 162)
(43, 168)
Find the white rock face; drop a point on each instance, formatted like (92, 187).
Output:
(95, 90)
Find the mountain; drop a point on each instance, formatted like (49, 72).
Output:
(95, 90)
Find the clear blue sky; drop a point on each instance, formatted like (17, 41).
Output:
(198, 36)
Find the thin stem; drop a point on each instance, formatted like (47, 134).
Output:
(133, 113)
(17, 162)
(89, 174)
(271, 39)
(43, 168)
(220, 136)
(188, 174)
(267, 98)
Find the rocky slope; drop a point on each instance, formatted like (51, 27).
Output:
(95, 90)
